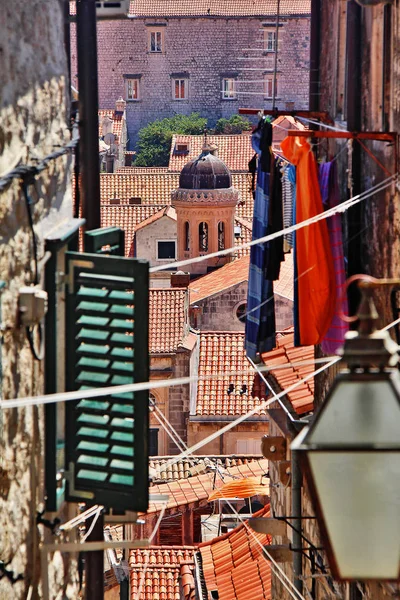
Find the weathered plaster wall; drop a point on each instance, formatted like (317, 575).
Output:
(33, 120)
(147, 237)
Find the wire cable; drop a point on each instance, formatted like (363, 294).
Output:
(146, 564)
(340, 208)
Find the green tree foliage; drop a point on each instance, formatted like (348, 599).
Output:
(154, 141)
(236, 124)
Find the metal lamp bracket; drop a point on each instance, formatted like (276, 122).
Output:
(273, 448)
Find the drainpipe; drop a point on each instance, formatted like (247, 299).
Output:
(354, 121)
(297, 480)
(86, 28)
(315, 41)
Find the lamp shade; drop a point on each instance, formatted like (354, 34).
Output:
(350, 455)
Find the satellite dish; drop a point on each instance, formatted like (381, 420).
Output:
(109, 138)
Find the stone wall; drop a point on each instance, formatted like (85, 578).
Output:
(34, 96)
(218, 312)
(203, 51)
(179, 400)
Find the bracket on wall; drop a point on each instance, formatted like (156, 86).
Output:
(285, 471)
(273, 447)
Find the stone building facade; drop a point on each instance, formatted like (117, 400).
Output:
(208, 59)
(34, 119)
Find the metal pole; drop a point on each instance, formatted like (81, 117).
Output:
(355, 214)
(278, 10)
(297, 479)
(94, 562)
(88, 112)
(314, 55)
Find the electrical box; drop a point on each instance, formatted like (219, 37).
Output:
(32, 304)
(107, 9)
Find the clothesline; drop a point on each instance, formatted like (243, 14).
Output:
(341, 208)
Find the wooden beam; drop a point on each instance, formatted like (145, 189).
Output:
(349, 135)
(307, 114)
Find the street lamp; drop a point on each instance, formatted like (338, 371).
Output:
(350, 456)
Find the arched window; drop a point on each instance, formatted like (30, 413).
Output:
(187, 235)
(221, 235)
(203, 236)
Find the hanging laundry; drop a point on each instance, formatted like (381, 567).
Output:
(316, 275)
(334, 339)
(291, 177)
(287, 199)
(275, 254)
(260, 317)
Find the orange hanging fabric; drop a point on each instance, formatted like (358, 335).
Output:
(315, 268)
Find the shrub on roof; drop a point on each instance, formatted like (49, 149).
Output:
(154, 142)
(236, 124)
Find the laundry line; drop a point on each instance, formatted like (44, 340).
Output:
(340, 208)
(130, 387)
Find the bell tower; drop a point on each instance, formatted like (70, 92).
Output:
(205, 204)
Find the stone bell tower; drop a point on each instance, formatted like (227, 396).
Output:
(205, 204)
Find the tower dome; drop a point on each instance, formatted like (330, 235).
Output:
(206, 172)
(205, 205)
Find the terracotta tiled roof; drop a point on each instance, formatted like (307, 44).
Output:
(127, 217)
(151, 188)
(140, 170)
(155, 187)
(169, 574)
(224, 352)
(167, 211)
(302, 398)
(234, 150)
(224, 8)
(198, 488)
(236, 272)
(117, 121)
(217, 281)
(245, 236)
(189, 467)
(235, 565)
(168, 326)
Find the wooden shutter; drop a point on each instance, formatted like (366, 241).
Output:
(107, 345)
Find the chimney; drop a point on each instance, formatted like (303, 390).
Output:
(120, 104)
(180, 279)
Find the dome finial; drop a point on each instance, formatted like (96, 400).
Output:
(206, 145)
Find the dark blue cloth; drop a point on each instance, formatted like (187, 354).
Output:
(260, 317)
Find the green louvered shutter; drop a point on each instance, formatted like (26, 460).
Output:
(107, 345)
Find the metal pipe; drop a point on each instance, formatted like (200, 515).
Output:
(297, 479)
(94, 561)
(355, 214)
(88, 112)
(278, 7)
(315, 42)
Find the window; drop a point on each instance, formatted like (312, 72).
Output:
(221, 235)
(181, 149)
(229, 89)
(269, 40)
(180, 89)
(241, 312)
(203, 237)
(166, 250)
(155, 40)
(187, 236)
(132, 89)
(269, 86)
(153, 442)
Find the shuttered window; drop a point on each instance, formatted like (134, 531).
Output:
(107, 345)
